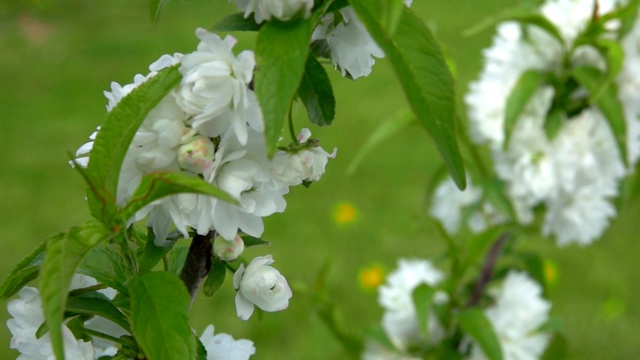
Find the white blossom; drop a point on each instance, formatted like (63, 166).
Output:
(261, 285)
(280, 9)
(375, 351)
(518, 311)
(224, 347)
(400, 321)
(449, 202)
(228, 250)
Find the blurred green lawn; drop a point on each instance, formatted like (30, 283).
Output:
(55, 61)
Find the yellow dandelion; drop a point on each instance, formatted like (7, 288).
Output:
(345, 213)
(550, 273)
(371, 277)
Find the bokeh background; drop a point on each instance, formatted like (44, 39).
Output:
(56, 58)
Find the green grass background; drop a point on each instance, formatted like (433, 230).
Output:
(51, 100)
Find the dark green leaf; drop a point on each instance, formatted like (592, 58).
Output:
(202, 351)
(215, 279)
(424, 76)
(176, 259)
(152, 254)
(236, 22)
(475, 324)
(522, 92)
(553, 123)
(608, 103)
(26, 270)
(94, 303)
(114, 137)
(159, 316)
(157, 185)
(281, 53)
(107, 264)
(63, 256)
(155, 8)
(386, 129)
(316, 93)
(524, 15)
(337, 5)
(253, 241)
(422, 299)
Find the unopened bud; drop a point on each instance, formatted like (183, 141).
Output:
(228, 250)
(196, 155)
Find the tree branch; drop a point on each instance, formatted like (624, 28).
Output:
(198, 262)
(487, 269)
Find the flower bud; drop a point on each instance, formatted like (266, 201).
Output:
(262, 286)
(196, 155)
(228, 250)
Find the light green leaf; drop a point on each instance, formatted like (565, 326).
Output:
(613, 54)
(157, 185)
(176, 259)
(608, 103)
(627, 15)
(524, 15)
(424, 76)
(236, 22)
(316, 93)
(155, 8)
(495, 193)
(281, 54)
(107, 264)
(215, 279)
(26, 270)
(391, 12)
(422, 299)
(159, 316)
(553, 123)
(522, 92)
(114, 137)
(63, 256)
(386, 129)
(475, 324)
(94, 303)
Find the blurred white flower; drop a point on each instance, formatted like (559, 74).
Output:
(449, 202)
(280, 9)
(399, 320)
(224, 347)
(562, 173)
(519, 310)
(375, 351)
(261, 285)
(352, 48)
(307, 164)
(228, 250)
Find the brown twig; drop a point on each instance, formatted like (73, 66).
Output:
(487, 269)
(198, 262)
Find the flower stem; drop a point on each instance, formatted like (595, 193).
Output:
(487, 269)
(198, 263)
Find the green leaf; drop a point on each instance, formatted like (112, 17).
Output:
(155, 8)
(159, 316)
(391, 12)
(494, 192)
(608, 103)
(475, 324)
(114, 137)
(479, 244)
(157, 185)
(152, 254)
(253, 241)
(202, 351)
(316, 93)
(281, 54)
(524, 15)
(613, 54)
(176, 259)
(236, 22)
(26, 270)
(522, 92)
(107, 264)
(94, 303)
(627, 14)
(63, 256)
(553, 123)
(535, 267)
(422, 299)
(215, 279)
(424, 76)
(385, 130)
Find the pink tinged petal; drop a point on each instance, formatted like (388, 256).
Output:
(244, 307)
(237, 276)
(304, 135)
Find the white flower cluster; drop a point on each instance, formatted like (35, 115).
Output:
(400, 321)
(211, 126)
(576, 174)
(27, 317)
(519, 310)
(224, 347)
(280, 9)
